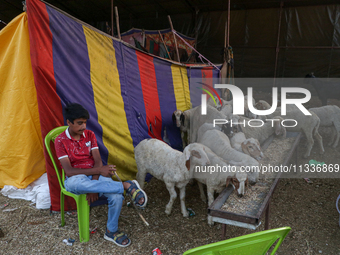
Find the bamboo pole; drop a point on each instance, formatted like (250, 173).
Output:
(117, 22)
(112, 17)
(172, 28)
(278, 41)
(159, 32)
(141, 216)
(228, 23)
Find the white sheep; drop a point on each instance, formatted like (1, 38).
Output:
(219, 143)
(171, 166)
(205, 127)
(262, 133)
(250, 146)
(217, 176)
(308, 124)
(197, 120)
(329, 117)
(262, 105)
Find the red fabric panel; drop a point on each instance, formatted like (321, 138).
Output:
(50, 109)
(150, 94)
(207, 75)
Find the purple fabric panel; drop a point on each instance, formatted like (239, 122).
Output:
(167, 102)
(195, 75)
(72, 70)
(130, 114)
(134, 96)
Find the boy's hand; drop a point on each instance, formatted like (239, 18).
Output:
(108, 170)
(91, 197)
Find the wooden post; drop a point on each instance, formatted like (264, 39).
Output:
(278, 41)
(112, 17)
(160, 35)
(228, 23)
(225, 41)
(172, 28)
(117, 22)
(266, 224)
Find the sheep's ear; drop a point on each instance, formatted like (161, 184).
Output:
(245, 148)
(187, 154)
(195, 153)
(278, 128)
(173, 118)
(182, 118)
(227, 182)
(284, 132)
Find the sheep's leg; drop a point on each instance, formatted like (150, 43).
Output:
(210, 193)
(337, 134)
(183, 140)
(173, 195)
(333, 134)
(310, 143)
(318, 138)
(203, 197)
(141, 177)
(182, 197)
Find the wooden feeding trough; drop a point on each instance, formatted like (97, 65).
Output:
(247, 211)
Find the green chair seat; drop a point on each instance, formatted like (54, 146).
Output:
(253, 244)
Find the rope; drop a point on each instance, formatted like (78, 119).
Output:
(199, 54)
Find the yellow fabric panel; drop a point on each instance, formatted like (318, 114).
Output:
(22, 157)
(109, 104)
(181, 87)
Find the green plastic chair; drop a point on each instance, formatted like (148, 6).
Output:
(253, 244)
(83, 208)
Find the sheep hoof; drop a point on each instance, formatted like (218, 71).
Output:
(306, 155)
(186, 214)
(167, 211)
(210, 221)
(322, 152)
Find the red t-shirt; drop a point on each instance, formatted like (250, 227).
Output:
(79, 152)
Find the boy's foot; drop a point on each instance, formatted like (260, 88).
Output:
(118, 237)
(138, 195)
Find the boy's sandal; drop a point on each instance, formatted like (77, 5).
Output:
(118, 237)
(137, 194)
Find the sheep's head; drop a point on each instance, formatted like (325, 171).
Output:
(239, 182)
(176, 117)
(279, 129)
(195, 155)
(252, 147)
(262, 105)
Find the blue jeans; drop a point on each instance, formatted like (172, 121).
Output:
(82, 184)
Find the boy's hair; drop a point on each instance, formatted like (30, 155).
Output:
(75, 111)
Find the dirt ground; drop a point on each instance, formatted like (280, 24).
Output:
(309, 209)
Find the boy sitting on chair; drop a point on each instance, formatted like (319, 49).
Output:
(78, 153)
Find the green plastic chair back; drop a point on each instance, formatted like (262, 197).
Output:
(253, 244)
(83, 209)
